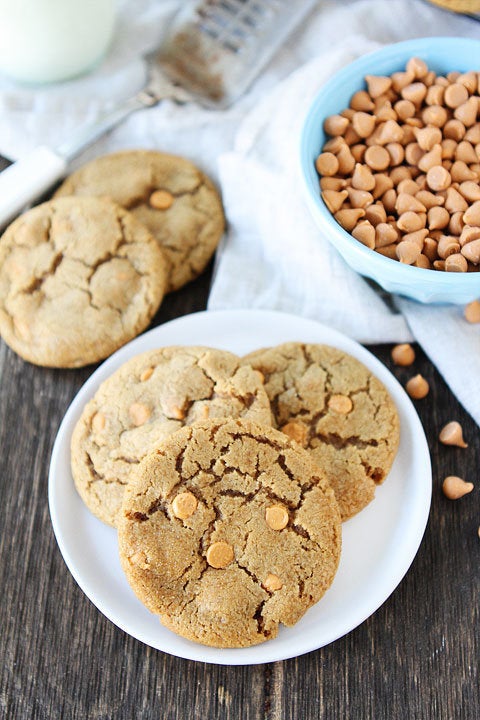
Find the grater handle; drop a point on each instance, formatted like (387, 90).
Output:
(27, 179)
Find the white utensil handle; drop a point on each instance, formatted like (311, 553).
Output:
(29, 177)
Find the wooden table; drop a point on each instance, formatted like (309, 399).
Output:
(416, 658)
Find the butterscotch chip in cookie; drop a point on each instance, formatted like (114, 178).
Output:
(272, 582)
(223, 576)
(276, 517)
(220, 554)
(79, 277)
(184, 504)
(350, 423)
(341, 404)
(143, 402)
(169, 195)
(295, 430)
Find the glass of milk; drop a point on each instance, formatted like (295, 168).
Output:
(43, 41)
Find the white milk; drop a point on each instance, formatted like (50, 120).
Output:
(45, 41)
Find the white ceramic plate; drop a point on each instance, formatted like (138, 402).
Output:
(379, 543)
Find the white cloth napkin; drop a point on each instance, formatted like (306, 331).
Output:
(272, 256)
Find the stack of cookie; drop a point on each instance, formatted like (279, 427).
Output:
(85, 272)
(228, 478)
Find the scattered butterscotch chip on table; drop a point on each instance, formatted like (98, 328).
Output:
(403, 354)
(452, 434)
(417, 387)
(455, 487)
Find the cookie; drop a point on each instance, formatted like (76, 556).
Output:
(147, 399)
(333, 406)
(173, 198)
(79, 277)
(227, 530)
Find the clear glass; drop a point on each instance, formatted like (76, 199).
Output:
(44, 41)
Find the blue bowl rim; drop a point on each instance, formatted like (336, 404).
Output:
(314, 118)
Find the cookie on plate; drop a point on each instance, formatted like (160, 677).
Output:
(172, 197)
(79, 277)
(227, 530)
(333, 406)
(144, 401)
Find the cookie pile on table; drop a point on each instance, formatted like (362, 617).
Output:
(84, 273)
(228, 479)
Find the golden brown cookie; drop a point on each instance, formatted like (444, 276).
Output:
(227, 530)
(333, 406)
(144, 401)
(79, 277)
(174, 199)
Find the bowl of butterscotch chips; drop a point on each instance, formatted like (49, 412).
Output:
(390, 155)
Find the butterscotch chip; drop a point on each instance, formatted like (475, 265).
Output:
(214, 577)
(185, 385)
(417, 387)
(365, 233)
(334, 199)
(146, 374)
(349, 217)
(276, 517)
(296, 431)
(161, 199)
(467, 112)
(455, 95)
(377, 157)
(456, 263)
(403, 354)
(168, 194)
(98, 422)
(472, 215)
(455, 487)
(356, 448)
(79, 277)
(472, 312)
(326, 164)
(438, 178)
(452, 434)
(139, 559)
(341, 404)
(272, 583)
(139, 413)
(415, 92)
(220, 554)
(184, 505)
(471, 251)
(377, 85)
(335, 125)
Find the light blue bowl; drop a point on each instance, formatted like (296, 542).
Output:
(442, 54)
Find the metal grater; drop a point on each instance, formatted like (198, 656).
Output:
(215, 48)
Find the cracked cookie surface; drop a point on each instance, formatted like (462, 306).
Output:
(333, 406)
(174, 199)
(145, 400)
(79, 277)
(227, 530)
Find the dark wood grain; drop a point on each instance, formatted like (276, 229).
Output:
(415, 658)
